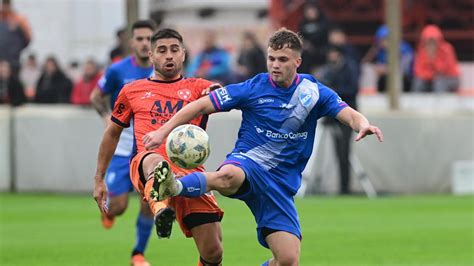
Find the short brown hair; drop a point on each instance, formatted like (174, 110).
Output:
(286, 38)
(148, 24)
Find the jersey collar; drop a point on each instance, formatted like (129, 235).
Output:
(165, 81)
(295, 82)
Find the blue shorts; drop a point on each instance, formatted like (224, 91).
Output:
(272, 205)
(117, 178)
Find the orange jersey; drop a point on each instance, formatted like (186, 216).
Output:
(151, 103)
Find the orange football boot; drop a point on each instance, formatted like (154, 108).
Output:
(139, 260)
(107, 221)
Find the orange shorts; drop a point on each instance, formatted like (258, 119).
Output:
(190, 212)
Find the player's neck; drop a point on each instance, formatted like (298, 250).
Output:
(158, 77)
(287, 83)
(141, 62)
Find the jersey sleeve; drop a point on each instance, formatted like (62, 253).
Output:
(233, 96)
(122, 112)
(108, 82)
(200, 86)
(330, 104)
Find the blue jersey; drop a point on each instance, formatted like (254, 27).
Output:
(121, 73)
(116, 76)
(278, 124)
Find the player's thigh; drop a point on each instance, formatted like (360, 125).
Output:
(149, 162)
(117, 177)
(208, 238)
(285, 247)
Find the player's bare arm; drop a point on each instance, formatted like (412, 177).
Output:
(197, 108)
(212, 87)
(106, 151)
(101, 104)
(359, 124)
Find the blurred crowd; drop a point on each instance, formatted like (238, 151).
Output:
(431, 67)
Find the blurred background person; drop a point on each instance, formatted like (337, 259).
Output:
(15, 35)
(83, 88)
(135, 66)
(340, 74)
(436, 67)
(53, 86)
(121, 49)
(212, 63)
(378, 53)
(314, 29)
(29, 75)
(337, 37)
(74, 71)
(11, 89)
(251, 58)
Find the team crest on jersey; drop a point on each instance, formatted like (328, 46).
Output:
(305, 98)
(184, 94)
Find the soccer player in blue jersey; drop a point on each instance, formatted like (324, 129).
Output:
(280, 110)
(117, 179)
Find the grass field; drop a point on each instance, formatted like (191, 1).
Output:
(65, 230)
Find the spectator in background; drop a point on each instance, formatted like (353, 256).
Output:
(340, 74)
(213, 63)
(53, 86)
(314, 29)
(121, 49)
(251, 59)
(15, 35)
(29, 75)
(82, 89)
(11, 89)
(378, 52)
(436, 65)
(337, 37)
(74, 71)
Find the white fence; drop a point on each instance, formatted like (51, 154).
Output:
(56, 149)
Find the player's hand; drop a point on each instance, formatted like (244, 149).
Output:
(153, 140)
(369, 130)
(179, 174)
(100, 195)
(212, 87)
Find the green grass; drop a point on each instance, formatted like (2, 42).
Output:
(424, 230)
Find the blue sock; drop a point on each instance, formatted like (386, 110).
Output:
(194, 185)
(144, 226)
(266, 263)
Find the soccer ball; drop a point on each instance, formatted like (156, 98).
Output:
(187, 146)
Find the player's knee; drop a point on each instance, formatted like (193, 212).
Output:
(212, 253)
(288, 258)
(226, 179)
(117, 208)
(145, 210)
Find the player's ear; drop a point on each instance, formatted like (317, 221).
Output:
(184, 54)
(298, 61)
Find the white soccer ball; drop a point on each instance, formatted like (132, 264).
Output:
(187, 146)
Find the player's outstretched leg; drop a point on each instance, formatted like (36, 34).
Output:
(164, 183)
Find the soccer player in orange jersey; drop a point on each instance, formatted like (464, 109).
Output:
(151, 103)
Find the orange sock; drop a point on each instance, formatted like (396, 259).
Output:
(155, 206)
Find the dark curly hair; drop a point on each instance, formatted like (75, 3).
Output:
(286, 38)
